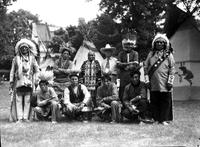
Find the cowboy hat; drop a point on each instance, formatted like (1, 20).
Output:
(107, 48)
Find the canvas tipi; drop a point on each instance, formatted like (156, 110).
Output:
(82, 54)
(185, 40)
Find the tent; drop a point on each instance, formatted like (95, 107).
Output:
(42, 36)
(185, 41)
(82, 54)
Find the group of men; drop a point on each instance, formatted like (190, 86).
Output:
(94, 90)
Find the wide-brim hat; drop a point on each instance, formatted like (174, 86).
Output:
(107, 48)
(64, 48)
(27, 43)
(74, 73)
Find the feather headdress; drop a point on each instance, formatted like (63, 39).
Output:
(160, 36)
(28, 43)
(47, 76)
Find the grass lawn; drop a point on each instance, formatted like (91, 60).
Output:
(184, 131)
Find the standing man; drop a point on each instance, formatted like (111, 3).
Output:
(107, 98)
(22, 81)
(135, 98)
(159, 76)
(109, 64)
(127, 61)
(90, 75)
(77, 98)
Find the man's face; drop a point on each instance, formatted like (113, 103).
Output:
(106, 82)
(65, 55)
(24, 50)
(160, 44)
(128, 44)
(74, 80)
(43, 87)
(135, 79)
(108, 53)
(91, 56)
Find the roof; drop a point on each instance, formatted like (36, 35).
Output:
(175, 17)
(42, 32)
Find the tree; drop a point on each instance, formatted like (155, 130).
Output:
(5, 3)
(13, 27)
(137, 16)
(108, 32)
(192, 7)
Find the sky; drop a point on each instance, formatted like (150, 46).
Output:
(61, 13)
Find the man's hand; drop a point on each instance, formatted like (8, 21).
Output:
(11, 85)
(135, 99)
(44, 102)
(169, 86)
(71, 107)
(82, 105)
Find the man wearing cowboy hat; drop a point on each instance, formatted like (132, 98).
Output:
(109, 64)
(22, 82)
(127, 61)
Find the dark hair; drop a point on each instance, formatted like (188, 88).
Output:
(44, 81)
(135, 72)
(65, 49)
(106, 76)
(72, 74)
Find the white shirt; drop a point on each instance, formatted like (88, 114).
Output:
(85, 92)
(112, 62)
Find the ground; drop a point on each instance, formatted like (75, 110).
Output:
(184, 131)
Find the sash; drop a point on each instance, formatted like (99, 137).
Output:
(157, 64)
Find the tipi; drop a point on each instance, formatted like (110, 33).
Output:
(185, 41)
(82, 54)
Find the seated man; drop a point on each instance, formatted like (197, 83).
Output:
(47, 100)
(77, 99)
(135, 99)
(108, 100)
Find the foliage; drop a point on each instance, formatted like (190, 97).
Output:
(13, 27)
(5, 3)
(108, 32)
(139, 16)
(192, 7)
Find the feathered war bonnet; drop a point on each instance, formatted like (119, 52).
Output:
(161, 37)
(46, 77)
(28, 43)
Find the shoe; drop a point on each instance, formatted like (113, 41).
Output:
(19, 121)
(113, 122)
(165, 123)
(54, 122)
(146, 120)
(141, 123)
(85, 121)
